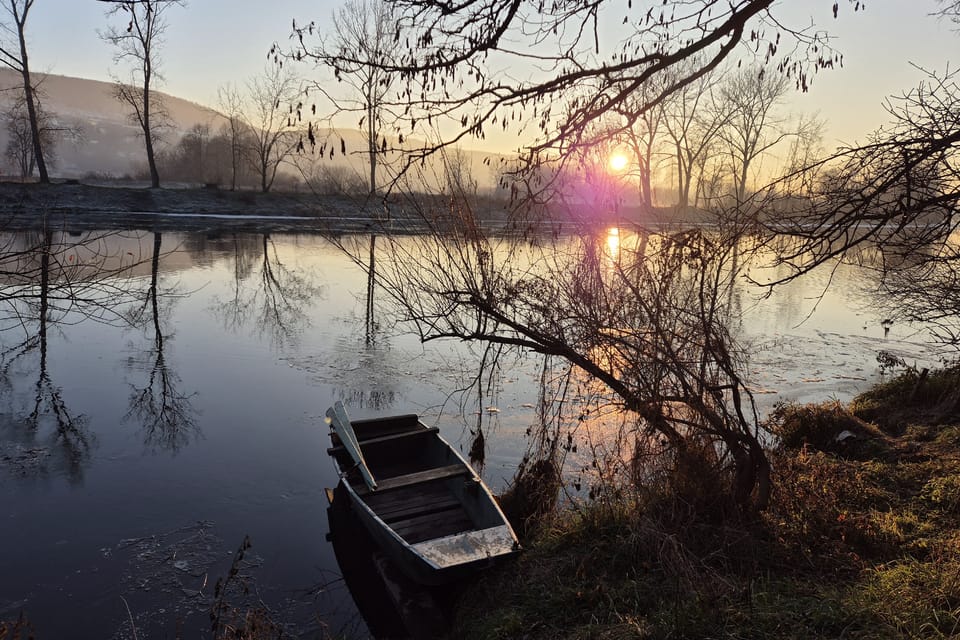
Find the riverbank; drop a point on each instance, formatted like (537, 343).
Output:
(75, 206)
(862, 540)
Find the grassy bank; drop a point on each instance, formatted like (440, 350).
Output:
(862, 540)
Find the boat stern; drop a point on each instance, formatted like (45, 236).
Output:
(468, 550)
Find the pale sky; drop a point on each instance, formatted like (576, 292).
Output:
(212, 42)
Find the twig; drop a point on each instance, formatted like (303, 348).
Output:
(133, 627)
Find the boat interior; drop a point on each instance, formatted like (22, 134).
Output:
(424, 489)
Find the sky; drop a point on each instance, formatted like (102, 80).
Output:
(212, 42)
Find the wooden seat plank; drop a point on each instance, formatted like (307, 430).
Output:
(431, 530)
(413, 510)
(385, 502)
(418, 477)
(387, 438)
(414, 493)
(431, 519)
(416, 501)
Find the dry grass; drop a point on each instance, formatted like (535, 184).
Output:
(860, 541)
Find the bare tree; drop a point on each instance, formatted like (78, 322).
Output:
(899, 192)
(139, 42)
(194, 147)
(950, 9)
(15, 56)
(692, 125)
(642, 138)
(443, 55)
(271, 122)
(749, 99)
(20, 148)
(645, 318)
(364, 28)
(231, 104)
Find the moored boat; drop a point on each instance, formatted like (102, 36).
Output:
(420, 500)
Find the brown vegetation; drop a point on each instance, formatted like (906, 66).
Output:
(857, 543)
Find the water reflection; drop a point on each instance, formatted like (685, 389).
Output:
(69, 436)
(49, 281)
(70, 305)
(165, 412)
(391, 606)
(275, 300)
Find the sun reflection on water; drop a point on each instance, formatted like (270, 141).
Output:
(613, 241)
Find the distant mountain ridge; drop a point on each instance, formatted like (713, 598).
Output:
(112, 146)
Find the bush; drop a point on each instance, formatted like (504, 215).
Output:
(827, 427)
(933, 395)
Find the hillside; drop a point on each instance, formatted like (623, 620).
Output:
(111, 144)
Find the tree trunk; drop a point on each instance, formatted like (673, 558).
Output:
(147, 133)
(31, 106)
(234, 152)
(372, 140)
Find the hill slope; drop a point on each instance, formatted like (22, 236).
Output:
(111, 144)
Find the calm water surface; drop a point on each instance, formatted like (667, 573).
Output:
(172, 403)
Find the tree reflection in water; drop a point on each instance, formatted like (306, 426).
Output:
(275, 300)
(165, 412)
(48, 280)
(364, 375)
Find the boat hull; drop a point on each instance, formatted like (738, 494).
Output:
(430, 513)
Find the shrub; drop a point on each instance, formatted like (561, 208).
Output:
(827, 427)
(936, 394)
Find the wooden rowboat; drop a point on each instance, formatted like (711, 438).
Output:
(420, 500)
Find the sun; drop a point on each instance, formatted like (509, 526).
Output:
(618, 161)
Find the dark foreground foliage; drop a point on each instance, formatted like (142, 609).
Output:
(861, 540)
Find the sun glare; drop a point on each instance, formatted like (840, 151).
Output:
(613, 240)
(618, 162)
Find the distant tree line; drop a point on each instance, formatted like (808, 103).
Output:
(233, 156)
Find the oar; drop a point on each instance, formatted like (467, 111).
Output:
(341, 424)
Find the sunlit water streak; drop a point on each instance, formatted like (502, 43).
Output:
(259, 336)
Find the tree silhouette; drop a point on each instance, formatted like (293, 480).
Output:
(267, 291)
(139, 41)
(20, 148)
(15, 56)
(893, 202)
(363, 29)
(48, 280)
(645, 320)
(270, 137)
(446, 55)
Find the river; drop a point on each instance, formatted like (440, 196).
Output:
(171, 401)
